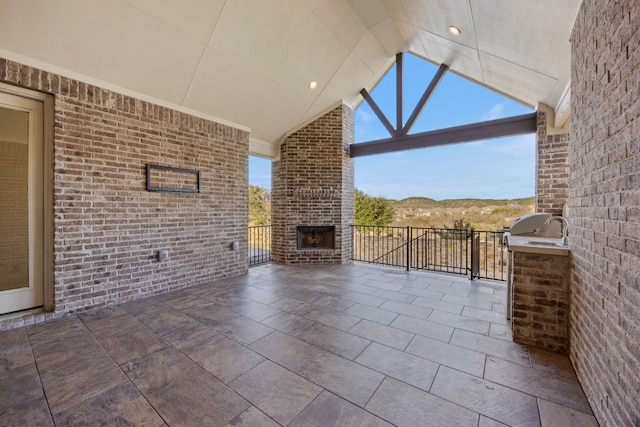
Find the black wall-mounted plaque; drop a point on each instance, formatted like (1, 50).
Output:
(172, 180)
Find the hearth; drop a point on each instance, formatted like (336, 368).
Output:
(316, 237)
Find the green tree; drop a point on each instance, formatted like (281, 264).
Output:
(460, 224)
(259, 206)
(372, 210)
(458, 231)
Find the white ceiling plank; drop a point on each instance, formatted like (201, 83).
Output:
(341, 86)
(371, 12)
(396, 10)
(506, 30)
(511, 79)
(435, 16)
(370, 52)
(195, 18)
(222, 87)
(461, 59)
(389, 37)
(282, 40)
(110, 41)
(340, 19)
(410, 35)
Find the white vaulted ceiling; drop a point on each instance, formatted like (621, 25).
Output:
(249, 62)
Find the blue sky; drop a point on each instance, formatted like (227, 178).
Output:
(498, 169)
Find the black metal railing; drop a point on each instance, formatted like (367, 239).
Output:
(491, 254)
(380, 245)
(440, 249)
(259, 244)
(480, 254)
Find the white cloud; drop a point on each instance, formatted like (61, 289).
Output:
(365, 116)
(518, 146)
(494, 113)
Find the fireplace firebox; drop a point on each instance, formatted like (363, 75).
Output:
(316, 237)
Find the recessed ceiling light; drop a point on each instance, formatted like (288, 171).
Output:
(454, 30)
(313, 84)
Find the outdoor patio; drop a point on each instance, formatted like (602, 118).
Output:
(349, 345)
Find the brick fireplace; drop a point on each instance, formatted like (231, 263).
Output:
(312, 192)
(316, 237)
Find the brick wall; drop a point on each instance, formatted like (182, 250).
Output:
(540, 314)
(107, 227)
(604, 208)
(312, 184)
(552, 168)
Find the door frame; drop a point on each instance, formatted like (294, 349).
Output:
(47, 178)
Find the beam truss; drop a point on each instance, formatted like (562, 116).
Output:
(516, 125)
(425, 98)
(400, 139)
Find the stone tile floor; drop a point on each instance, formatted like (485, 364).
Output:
(352, 345)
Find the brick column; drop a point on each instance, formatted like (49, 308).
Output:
(552, 168)
(312, 185)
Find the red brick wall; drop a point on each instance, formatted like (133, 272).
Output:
(604, 208)
(107, 227)
(552, 168)
(312, 184)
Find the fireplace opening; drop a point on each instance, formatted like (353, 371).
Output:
(316, 237)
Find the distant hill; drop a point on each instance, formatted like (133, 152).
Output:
(425, 202)
(482, 214)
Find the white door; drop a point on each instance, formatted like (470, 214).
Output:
(21, 203)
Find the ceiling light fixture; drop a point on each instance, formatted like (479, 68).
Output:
(313, 84)
(454, 30)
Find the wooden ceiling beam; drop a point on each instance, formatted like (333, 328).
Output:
(509, 126)
(399, 83)
(378, 112)
(425, 97)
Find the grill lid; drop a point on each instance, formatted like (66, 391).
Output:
(529, 224)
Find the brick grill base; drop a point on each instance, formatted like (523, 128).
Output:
(540, 315)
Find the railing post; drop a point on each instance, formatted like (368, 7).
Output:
(472, 253)
(353, 241)
(475, 254)
(408, 248)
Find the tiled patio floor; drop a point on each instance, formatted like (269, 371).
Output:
(353, 345)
